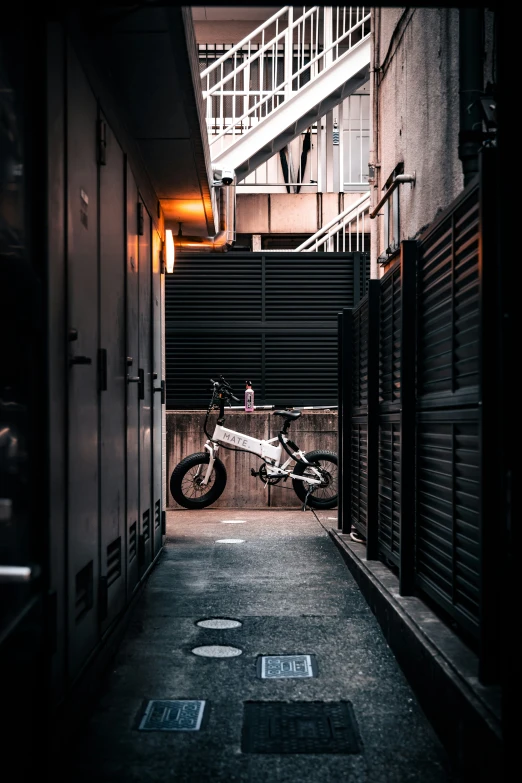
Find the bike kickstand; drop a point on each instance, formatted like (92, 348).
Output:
(306, 499)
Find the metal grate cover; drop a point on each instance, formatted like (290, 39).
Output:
(300, 727)
(166, 715)
(272, 667)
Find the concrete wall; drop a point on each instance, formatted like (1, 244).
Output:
(287, 213)
(314, 430)
(417, 122)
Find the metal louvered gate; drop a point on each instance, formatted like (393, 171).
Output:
(270, 318)
(448, 414)
(434, 463)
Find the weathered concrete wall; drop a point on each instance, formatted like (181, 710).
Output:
(417, 60)
(287, 213)
(314, 430)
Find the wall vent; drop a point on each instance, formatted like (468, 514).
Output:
(113, 561)
(84, 591)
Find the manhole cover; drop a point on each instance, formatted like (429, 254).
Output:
(273, 667)
(217, 651)
(230, 541)
(166, 715)
(299, 727)
(219, 622)
(233, 521)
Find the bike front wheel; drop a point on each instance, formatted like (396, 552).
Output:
(323, 495)
(185, 481)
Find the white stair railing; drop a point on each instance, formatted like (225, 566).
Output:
(346, 232)
(251, 80)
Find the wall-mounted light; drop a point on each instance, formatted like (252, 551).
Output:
(169, 251)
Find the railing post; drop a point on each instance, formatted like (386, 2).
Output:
(372, 422)
(327, 36)
(407, 417)
(340, 414)
(345, 477)
(289, 54)
(329, 153)
(340, 125)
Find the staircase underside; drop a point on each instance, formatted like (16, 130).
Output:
(343, 77)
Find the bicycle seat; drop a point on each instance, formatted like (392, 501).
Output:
(289, 415)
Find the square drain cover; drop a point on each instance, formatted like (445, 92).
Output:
(299, 727)
(165, 715)
(274, 667)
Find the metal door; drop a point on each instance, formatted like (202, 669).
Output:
(133, 383)
(82, 321)
(158, 398)
(111, 376)
(24, 660)
(145, 386)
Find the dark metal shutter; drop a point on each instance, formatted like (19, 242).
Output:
(389, 488)
(359, 423)
(448, 513)
(269, 318)
(448, 305)
(389, 512)
(448, 418)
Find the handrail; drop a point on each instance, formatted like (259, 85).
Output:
(280, 87)
(340, 221)
(396, 182)
(243, 41)
(334, 221)
(250, 60)
(300, 45)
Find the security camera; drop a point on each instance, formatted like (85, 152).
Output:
(227, 176)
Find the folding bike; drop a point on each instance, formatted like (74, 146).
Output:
(199, 479)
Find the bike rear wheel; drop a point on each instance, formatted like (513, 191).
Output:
(323, 495)
(185, 481)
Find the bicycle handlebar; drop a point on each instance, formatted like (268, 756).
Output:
(223, 388)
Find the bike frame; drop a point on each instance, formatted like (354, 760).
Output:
(270, 454)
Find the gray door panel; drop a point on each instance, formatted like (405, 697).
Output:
(112, 380)
(145, 368)
(159, 393)
(82, 296)
(132, 358)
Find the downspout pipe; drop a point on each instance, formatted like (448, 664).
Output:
(225, 237)
(471, 88)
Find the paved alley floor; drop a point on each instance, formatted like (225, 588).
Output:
(309, 691)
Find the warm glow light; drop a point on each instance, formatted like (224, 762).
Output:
(169, 249)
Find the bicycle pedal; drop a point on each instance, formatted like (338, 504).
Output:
(254, 473)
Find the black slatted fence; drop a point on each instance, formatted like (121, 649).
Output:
(422, 465)
(267, 317)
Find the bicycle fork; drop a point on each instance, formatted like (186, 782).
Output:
(212, 453)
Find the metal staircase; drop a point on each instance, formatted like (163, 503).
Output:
(347, 232)
(260, 96)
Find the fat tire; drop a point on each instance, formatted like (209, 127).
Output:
(301, 489)
(183, 467)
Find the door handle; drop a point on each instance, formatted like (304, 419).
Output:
(140, 380)
(18, 574)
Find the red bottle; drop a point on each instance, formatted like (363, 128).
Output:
(249, 397)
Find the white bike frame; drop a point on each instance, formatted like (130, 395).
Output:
(270, 454)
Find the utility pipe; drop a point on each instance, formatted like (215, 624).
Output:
(396, 182)
(471, 88)
(226, 235)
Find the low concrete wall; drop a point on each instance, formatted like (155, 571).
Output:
(314, 430)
